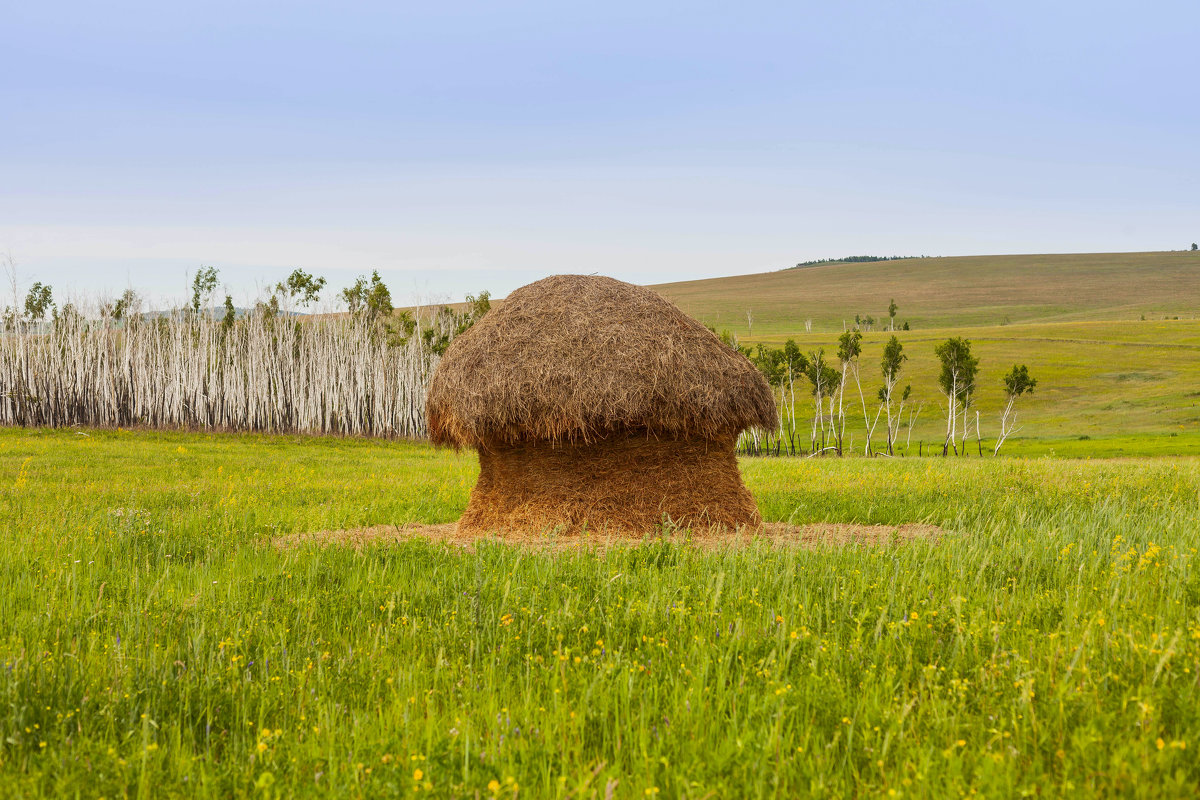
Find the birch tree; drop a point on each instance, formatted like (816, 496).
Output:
(957, 382)
(1016, 383)
(849, 349)
(891, 364)
(823, 378)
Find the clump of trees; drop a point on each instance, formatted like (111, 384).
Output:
(790, 372)
(851, 260)
(210, 365)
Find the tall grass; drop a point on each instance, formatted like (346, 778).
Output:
(262, 372)
(153, 644)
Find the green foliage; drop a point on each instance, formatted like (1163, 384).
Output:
(371, 298)
(38, 301)
(849, 260)
(780, 365)
(129, 302)
(730, 340)
(448, 323)
(230, 314)
(304, 289)
(849, 346)
(820, 375)
(959, 367)
(1017, 382)
(155, 643)
(893, 359)
(204, 283)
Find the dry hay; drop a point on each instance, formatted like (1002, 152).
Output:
(777, 534)
(627, 484)
(575, 358)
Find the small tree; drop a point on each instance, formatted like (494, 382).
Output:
(849, 349)
(38, 301)
(371, 298)
(204, 284)
(301, 288)
(893, 360)
(1195, 247)
(230, 314)
(892, 309)
(957, 381)
(129, 304)
(1016, 383)
(823, 379)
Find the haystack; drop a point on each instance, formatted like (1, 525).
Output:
(596, 403)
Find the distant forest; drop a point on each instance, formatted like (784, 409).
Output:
(850, 260)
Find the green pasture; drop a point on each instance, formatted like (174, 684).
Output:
(1095, 379)
(154, 644)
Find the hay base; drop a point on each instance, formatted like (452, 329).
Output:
(625, 484)
(778, 534)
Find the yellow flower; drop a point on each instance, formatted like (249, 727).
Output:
(493, 786)
(1160, 744)
(262, 747)
(417, 774)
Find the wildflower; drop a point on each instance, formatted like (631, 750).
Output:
(493, 786)
(418, 774)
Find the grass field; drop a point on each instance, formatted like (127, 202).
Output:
(1096, 379)
(967, 291)
(1113, 338)
(153, 643)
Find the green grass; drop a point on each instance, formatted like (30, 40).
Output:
(1095, 379)
(154, 644)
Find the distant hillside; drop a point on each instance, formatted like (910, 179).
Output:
(947, 292)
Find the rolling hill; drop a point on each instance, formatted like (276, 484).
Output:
(958, 291)
(1112, 337)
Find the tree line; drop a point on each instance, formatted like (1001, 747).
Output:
(208, 365)
(834, 381)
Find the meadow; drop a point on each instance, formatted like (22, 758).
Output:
(960, 291)
(154, 643)
(1099, 380)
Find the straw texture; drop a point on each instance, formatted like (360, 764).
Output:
(576, 358)
(622, 485)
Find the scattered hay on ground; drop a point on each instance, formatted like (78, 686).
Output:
(779, 534)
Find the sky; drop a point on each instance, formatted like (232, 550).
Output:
(456, 147)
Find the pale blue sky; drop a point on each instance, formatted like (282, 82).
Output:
(458, 146)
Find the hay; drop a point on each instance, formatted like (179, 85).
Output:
(625, 484)
(575, 358)
(774, 534)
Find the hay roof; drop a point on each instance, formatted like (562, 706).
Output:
(576, 358)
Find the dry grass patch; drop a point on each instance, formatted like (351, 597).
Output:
(779, 534)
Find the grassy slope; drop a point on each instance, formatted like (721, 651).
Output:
(942, 292)
(1130, 385)
(154, 645)
(1096, 379)
(1074, 319)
